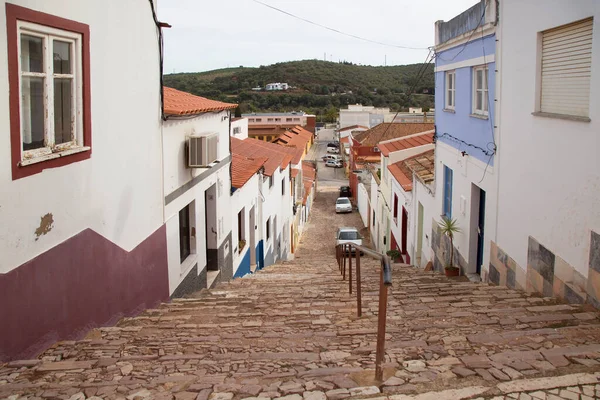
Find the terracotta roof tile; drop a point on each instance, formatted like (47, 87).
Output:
(406, 143)
(309, 173)
(243, 168)
(276, 155)
(182, 103)
(423, 165)
(295, 172)
(353, 127)
(387, 131)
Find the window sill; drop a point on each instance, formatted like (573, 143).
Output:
(479, 116)
(53, 156)
(561, 116)
(449, 110)
(188, 263)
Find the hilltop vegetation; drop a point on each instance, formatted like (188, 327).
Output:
(318, 87)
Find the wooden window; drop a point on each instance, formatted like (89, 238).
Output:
(450, 89)
(396, 209)
(480, 90)
(49, 81)
(185, 248)
(448, 173)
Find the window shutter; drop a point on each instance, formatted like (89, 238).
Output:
(566, 69)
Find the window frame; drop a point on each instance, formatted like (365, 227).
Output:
(17, 17)
(448, 186)
(450, 91)
(185, 215)
(484, 90)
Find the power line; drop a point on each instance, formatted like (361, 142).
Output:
(338, 31)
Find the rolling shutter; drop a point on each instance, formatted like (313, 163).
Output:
(567, 69)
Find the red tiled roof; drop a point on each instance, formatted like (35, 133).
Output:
(403, 143)
(353, 127)
(297, 137)
(309, 174)
(243, 168)
(422, 165)
(388, 130)
(177, 102)
(295, 172)
(276, 155)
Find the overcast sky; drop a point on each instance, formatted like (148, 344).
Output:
(208, 35)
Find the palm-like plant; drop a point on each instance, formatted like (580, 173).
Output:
(449, 227)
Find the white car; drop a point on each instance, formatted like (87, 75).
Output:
(333, 163)
(333, 150)
(348, 235)
(343, 205)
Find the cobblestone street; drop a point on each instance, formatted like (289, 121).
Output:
(291, 331)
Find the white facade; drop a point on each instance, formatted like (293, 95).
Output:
(277, 86)
(357, 114)
(96, 193)
(239, 128)
(423, 214)
(549, 173)
(202, 189)
(247, 201)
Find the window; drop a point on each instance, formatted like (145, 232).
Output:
(447, 192)
(373, 217)
(296, 119)
(258, 119)
(185, 248)
(277, 119)
(269, 119)
(241, 230)
(450, 89)
(268, 232)
(288, 120)
(480, 90)
(237, 130)
(396, 208)
(250, 119)
(49, 90)
(565, 70)
(283, 187)
(271, 181)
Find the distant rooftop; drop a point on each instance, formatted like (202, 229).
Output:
(275, 114)
(465, 22)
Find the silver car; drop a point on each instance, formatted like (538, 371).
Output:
(343, 205)
(348, 235)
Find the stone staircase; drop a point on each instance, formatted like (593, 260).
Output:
(292, 330)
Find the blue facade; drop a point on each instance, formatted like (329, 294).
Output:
(244, 268)
(459, 127)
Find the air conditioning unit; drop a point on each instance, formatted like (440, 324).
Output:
(202, 150)
(376, 149)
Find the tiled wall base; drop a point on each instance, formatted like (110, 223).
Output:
(548, 274)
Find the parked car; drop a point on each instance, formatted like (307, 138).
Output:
(335, 157)
(348, 235)
(333, 144)
(334, 150)
(333, 163)
(345, 191)
(343, 205)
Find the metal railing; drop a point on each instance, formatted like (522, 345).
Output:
(343, 253)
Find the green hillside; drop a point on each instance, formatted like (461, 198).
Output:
(320, 87)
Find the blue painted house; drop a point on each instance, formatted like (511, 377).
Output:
(465, 99)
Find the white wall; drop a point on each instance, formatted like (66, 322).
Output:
(242, 124)
(363, 203)
(176, 174)
(245, 198)
(466, 171)
(118, 191)
(422, 194)
(549, 181)
(276, 205)
(349, 118)
(404, 200)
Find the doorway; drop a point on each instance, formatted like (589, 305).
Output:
(419, 234)
(252, 230)
(210, 214)
(404, 236)
(477, 231)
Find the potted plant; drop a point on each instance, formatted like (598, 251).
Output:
(395, 255)
(449, 227)
(241, 245)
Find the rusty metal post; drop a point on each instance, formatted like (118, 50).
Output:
(358, 289)
(381, 321)
(344, 262)
(350, 268)
(337, 257)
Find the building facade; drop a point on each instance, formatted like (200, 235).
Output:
(466, 139)
(547, 237)
(82, 236)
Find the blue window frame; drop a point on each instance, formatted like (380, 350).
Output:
(448, 192)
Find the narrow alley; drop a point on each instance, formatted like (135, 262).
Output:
(291, 330)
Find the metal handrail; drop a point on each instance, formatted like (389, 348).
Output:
(385, 281)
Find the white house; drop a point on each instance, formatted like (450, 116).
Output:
(239, 128)
(246, 206)
(277, 86)
(548, 235)
(396, 186)
(197, 184)
(275, 196)
(81, 200)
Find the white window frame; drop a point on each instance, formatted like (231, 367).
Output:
(484, 90)
(450, 91)
(48, 34)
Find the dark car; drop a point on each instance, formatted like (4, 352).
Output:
(333, 144)
(345, 191)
